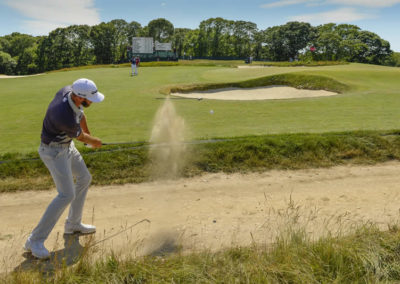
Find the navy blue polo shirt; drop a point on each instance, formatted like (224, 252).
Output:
(62, 121)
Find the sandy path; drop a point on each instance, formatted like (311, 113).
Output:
(213, 211)
(260, 93)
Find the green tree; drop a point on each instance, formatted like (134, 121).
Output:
(258, 45)
(350, 43)
(17, 42)
(191, 43)
(27, 61)
(243, 35)
(4, 44)
(21, 48)
(326, 42)
(123, 38)
(79, 36)
(377, 51)
(214, 37)
(179, 40)
(160, 30)
(274, 44)
(286, 41)
(349, 46)
(7, 63)
(202, 42)
(347, 31)
(144, 32)
(102, 39)
(134, 29)
(43, 56)
(393, 59)
(59, 49)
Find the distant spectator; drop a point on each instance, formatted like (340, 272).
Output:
(137, 62)
(133, 66)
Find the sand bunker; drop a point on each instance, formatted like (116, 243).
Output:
(262, 93)
(252, 66)
(17, 76)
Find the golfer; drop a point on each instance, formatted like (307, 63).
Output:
(133, 66)
(65, 120)
(137, 61)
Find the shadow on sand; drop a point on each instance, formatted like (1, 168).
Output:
(67, 256)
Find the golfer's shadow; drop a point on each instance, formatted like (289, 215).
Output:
(67, 256)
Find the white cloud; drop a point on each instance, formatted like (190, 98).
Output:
(283, 3)
(366, 3)
(46, 15)
(343, 15)
(347, 3)
(40, 27)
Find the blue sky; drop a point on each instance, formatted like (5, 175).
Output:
(39, 17)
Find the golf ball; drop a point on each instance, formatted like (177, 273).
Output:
(211, 112)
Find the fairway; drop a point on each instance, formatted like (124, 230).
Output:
(127, 114)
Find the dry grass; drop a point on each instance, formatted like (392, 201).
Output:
(344, 252)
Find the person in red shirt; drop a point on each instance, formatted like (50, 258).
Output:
(137, 61)
(133, 66)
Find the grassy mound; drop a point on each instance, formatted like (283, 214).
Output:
(299, 81)
(130, 163)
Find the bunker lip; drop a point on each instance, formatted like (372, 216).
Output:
(275, 92)
(252, 66)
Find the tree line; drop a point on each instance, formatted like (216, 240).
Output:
(216, 38)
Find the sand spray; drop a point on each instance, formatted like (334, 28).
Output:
(168, 135)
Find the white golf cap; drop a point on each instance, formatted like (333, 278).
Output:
(87, 89)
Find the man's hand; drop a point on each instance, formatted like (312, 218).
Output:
(89, 139)
(96, 143)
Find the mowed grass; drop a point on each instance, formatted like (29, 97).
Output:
(365, 255)
(371, 103)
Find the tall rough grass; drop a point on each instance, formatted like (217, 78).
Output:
(130, 163)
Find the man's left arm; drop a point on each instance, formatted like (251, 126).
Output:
(83, 124)
(85, 135)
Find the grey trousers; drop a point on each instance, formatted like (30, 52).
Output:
(64, 163)
(134, 69)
